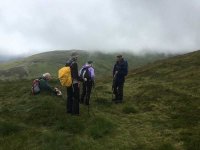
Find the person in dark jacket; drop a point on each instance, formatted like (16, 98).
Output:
(120, 70)
(87, 75)
(73, 90)
(44, 84)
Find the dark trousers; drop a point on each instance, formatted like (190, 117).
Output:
(118, 91)
(86, 91)
(73, 99)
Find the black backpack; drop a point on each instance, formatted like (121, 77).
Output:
(85, 73)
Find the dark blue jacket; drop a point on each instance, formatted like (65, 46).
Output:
(122, 68)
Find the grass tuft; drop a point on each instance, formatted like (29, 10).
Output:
(8, 128)
(101, 127)
(129, 109)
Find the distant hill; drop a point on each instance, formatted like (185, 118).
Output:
(161, 111)
(35, 65)
(6, 58)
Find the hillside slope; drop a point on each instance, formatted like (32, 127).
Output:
(161, 111)
(35, 65)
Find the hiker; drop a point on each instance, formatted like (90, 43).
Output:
(73, 90)
(42, 84)
(87, 75)
(120, 70)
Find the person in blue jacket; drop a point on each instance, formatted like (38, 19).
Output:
(120, 70)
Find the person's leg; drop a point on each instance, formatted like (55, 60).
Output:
(69, 99)
(88, 92)
(120, 92)
(76, 99)
(82, 100)
(115, 92)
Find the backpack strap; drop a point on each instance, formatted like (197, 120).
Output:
(69, 63)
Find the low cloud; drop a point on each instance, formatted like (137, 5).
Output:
(28, 26)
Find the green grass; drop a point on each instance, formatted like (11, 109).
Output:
(161, 111)
(129, 109)
(101, 127)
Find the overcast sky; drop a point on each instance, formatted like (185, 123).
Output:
(31, 26)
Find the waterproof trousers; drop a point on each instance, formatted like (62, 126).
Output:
(86, 91)
(118, 91)
(73, 99)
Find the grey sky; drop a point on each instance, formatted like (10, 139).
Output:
(31, 26)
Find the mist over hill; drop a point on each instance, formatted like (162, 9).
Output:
(33, 66)
(7, 58)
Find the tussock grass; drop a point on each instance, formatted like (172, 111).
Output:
(8, 128)
(101, 127)
(160, 112)
(129, 109)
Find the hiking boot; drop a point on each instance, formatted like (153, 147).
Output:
(87, 104)
(75, 115)
(68, 112)
(118, 101)
(114, 99)
(81, 101)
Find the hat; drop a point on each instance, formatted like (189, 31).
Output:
(90, 62)
(119, 56)
(74, 54)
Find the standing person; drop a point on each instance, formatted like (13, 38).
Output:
(120, 70)
(87, 75)
(73, 90)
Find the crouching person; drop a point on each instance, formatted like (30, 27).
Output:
(87, 75)
(42, 84)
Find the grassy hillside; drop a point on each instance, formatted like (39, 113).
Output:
(35, 65)
(161, 111)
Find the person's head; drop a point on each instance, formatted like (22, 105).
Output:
(119, 58)
(47, 76)
(74, 56)
(89, 63)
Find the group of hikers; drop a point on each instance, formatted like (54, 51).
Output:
(86, 76)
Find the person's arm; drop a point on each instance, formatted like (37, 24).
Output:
(114, 70)
(49, 88)
(92, 74)
(44, 85)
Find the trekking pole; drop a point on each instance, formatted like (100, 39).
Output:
(90, 110)
(112, 94)
(95, 94)
(113, 86)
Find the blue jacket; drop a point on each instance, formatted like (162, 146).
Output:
(122, 68)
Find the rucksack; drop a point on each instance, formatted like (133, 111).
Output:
(126, 68)
(85, 73)
(35, 87)
(64, 75)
